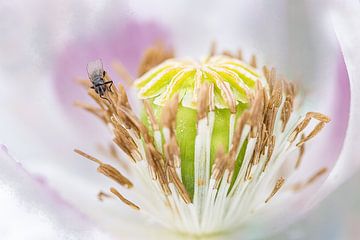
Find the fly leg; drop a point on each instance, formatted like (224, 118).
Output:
(102, 96)
(109, 82)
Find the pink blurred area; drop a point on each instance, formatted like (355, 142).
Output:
(124, 42)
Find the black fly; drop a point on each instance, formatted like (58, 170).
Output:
(97, 77)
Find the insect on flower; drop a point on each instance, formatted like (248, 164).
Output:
(97, 77)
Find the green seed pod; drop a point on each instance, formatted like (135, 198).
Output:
(230, 85)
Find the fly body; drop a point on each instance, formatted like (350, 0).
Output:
(97, 77)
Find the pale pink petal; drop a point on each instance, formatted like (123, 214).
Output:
(326, 86)
(346, 19)
(31, 210)
(122, 41)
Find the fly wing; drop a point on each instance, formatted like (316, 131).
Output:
(95, 68)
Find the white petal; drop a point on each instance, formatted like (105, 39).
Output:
(337, 217)
(346, 19)
(31, 210)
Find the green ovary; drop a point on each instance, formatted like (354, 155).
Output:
(186, 130)
(227, 76)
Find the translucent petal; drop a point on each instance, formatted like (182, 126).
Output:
(34, 210)
(346, 19)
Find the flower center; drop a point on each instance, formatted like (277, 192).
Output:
(231, 84)
(210, 147)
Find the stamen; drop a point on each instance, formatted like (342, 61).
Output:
(114, 174)
(85, 155)
(123, 73)
(108, 170)
(301, 153)
(253, 61)
(203, 101)
(154, 56)
(299, 128)
(213, 48)
(169, 114)
(311, 180)
(101, 196)
(319, 116)
(85, 83)
(279, 183)
(124, 200)
(318, 174)
(271, 146)
(238, 133)
(313, 133)
(227, 53)
(223, 182)
(151, 116)
(91, 109)
(239, 55)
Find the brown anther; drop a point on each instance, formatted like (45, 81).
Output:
(279, 183)
(247, 176)
(122, 97)
(227, 53)
(122, 72)
(211, 98)
(203, 102)
(151, 115)
(225, 90)
(239, 55)
(237, 134)
(85, 83)
(153, 56)
(169, 112)
(319, 116)
(311, 180)
(213, 48)
(130, 118)
(201, 182)
(301, 154)
(172, 152)
(219, 166)
(197, 85)
(276, 96)
(124, 200)
(253, 61)
(312, 134)
(271, 147)
(98, 112)
(85, 155)
(124, 140)
(101, 196)
(285, 113)
(266, 73)
(113, 151)
(107, 170)
(299, 128)
(179, 186)
(114, 174)
(316, 175)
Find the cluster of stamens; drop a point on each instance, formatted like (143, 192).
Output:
(243, 178)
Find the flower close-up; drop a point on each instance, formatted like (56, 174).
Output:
(181, 120)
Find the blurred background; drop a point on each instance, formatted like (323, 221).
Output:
(45, 45)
